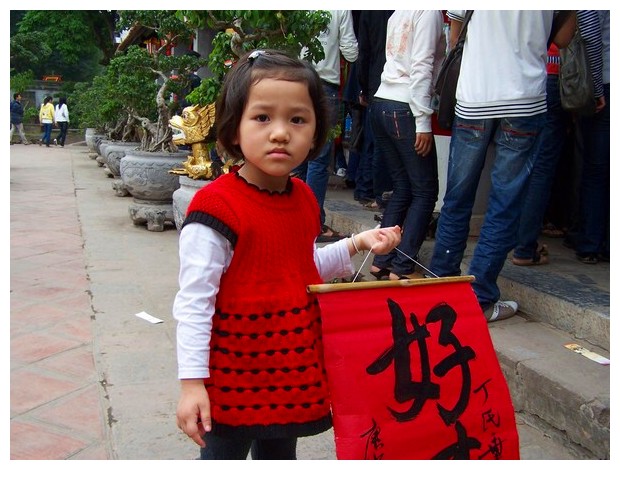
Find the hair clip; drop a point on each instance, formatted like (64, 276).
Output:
(255, 54)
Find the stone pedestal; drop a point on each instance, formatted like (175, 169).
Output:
(145, 176)
(181, 197)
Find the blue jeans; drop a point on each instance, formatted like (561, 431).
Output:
(363, 175)
(47, 133)
(514, 139)
(547, 152)
(316, 171)
(414, 178)
(221, 448)
(593, 235)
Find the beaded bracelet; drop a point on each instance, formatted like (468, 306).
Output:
(354, 244)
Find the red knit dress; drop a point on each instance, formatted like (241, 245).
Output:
(266, 362)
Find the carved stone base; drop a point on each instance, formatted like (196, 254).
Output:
(119, 188)
(155, 215)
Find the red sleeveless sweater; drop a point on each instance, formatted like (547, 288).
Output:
(266, 362)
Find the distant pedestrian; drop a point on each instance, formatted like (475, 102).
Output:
(61, 115)
(249, 344)
(17, 118)
(46, 117)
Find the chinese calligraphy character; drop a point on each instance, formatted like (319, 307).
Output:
(373, 440)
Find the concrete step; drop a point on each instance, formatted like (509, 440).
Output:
(560, 393)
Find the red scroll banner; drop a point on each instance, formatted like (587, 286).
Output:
(413, 373)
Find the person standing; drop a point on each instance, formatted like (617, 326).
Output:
(249, 345)
(338, 38)
(501, 99)
(373, 178)
(46, 117)
(401, 124)
(592, 242)
(17, 118)
(61, 115)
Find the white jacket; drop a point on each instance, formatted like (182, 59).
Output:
(414, 50)
(338, 37)
(61, 114)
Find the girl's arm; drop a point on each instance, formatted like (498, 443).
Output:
(334, 259)
(204, 256)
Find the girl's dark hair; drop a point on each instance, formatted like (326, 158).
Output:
(249, 70)
(62, 101)
(47, 99)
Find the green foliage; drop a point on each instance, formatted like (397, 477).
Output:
(20, 82)
(240, 31)
(66, 42)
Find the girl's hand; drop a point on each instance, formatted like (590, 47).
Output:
(380, 240)
(194, 410)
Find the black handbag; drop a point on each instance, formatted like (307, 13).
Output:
(448, 78)
(576, 83)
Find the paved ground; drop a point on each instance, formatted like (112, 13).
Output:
(88, 378)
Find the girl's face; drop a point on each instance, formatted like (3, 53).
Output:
(276, 131)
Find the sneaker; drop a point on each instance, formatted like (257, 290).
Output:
(55, 142)
(500, 310)
(342, 172)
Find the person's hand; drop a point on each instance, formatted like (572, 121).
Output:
(600, 103)
(423, 143)
(380, 240)
(194, 410)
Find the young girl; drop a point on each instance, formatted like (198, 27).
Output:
(249, 334)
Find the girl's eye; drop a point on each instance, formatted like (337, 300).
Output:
(262, 118)
(297, 120)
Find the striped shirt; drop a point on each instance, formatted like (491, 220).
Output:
(503, 70)
(590, 28)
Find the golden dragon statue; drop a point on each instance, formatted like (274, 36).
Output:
(196, 127)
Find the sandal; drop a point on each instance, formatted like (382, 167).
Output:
(381, 274)
(541, 257)
(329, 235)
(588, 258)
(551, 231)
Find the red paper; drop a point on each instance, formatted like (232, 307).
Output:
(435, 392)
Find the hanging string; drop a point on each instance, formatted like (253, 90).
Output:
(362, 265)
(416, 262)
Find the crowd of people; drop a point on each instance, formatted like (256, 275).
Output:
(50, 116)
(508, 112)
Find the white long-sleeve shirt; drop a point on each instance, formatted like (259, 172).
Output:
(338, 37)
(414, 49)
(204, 256)
(61, 113)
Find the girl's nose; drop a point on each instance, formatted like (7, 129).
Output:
(279, 132)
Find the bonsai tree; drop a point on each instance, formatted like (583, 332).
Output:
(242, 30)
(165, 73)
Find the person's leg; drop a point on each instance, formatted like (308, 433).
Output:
(514, 140)
(12, 132)
(387, 118)
(221, 448)
(414, 179)
(593, 237)
(274, 449)
(317, 175)
(64, 126)
(22, 133)
(468, 148)
(47, 134)
(547, 152)
(363, 178)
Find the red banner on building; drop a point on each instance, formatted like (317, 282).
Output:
(413, 372)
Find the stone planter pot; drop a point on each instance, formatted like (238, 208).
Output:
(112, 153)
(91, 136)
(145, 176)
(181, 197)
(100, 142)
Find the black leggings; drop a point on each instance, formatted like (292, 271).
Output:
(220, 448)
